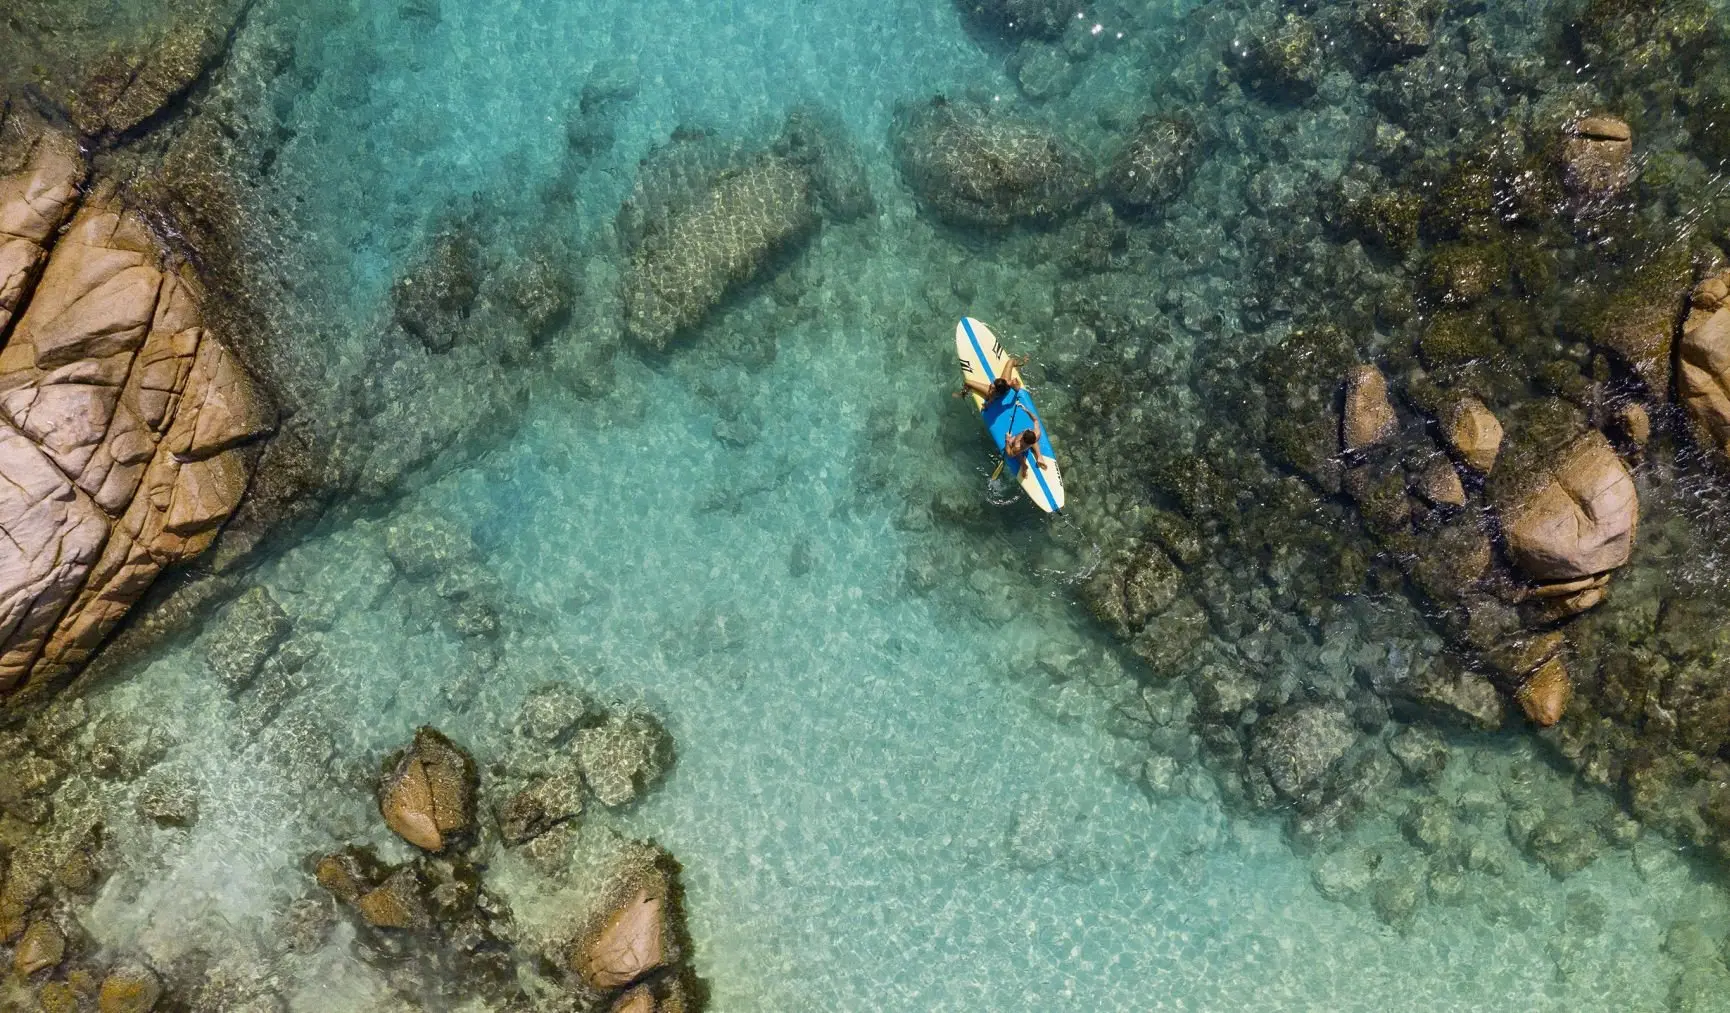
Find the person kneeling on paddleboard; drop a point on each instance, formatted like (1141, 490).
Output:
(1024, 444)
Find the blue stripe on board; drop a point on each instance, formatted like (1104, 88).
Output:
(990, 374)
(1039, 473)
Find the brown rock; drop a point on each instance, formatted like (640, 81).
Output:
(1440, 484)
(634, 938)
(33, 204)
(1634, 424)
(1545, 694)
(130, 988)
(1557, 609)
(1473, 432)
(1369, 415)
(1569, 588)
(638, 1000)
(429, 792)
(121, 420)
(397, 903)
(1577, 521)
(1703, 373)
(42, 946)
(1598, 157)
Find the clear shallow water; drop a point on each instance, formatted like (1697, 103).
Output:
(892, 792)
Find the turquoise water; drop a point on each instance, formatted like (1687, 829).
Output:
(900, 783)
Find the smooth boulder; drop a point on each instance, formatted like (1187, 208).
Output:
(427, 794)
(1576, 520)
(1369, 415)
(1473, 432)
(1703, 373)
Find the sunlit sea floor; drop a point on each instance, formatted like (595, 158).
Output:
(881, 800)
(876, 805)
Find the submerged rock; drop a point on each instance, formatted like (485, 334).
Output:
(746, 216)
(1576, 521)
(974, 169)
(623, 756)
(130, 988)
(1019, 18)
(428, 791)
(1156, 165)
(435, 295)
(1598, 157)
(1298, 747)
(42, 947)
(253, 625)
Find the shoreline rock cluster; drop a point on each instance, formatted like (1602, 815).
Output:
(600, 918)
(129, 430)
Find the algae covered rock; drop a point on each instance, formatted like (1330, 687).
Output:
(1156, 165)
(1020, 18)
(971, 168)
(1597, 157)
(1298, 748)
(747, 215)
(129, 988)
(433, 297)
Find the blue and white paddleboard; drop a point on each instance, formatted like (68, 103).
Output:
(983, 360)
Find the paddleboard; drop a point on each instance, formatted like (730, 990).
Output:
(983, 360)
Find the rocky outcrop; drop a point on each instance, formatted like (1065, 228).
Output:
(1703, 363)
(622, 756)
(427, 794)
(636, 934)
(722, 240)
(974, 169)
(1578, 520)
(124, 424)
(1369, 415)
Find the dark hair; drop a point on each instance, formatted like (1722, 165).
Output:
(1030, 435)
(999, 387)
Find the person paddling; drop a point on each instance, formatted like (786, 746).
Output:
(1021, 445)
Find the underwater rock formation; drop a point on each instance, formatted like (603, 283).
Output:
(1598, 158)
(1020, 18)
(126, 425)
(1156, 165)
(971, 168)
(746, 216)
